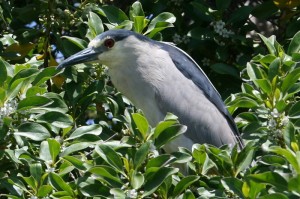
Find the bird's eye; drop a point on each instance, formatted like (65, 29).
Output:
(109, 43)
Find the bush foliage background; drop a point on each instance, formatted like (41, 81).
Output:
(72, 135)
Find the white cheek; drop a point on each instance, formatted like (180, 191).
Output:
(95, 43)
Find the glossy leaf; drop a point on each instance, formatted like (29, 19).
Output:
(44, 190)
(55, 118)
(141, 154)
(33, 131)
(169, 134)
(184, 184)
(80, 43)
(294, 46)
(156, 179)
(33, 102)
(271, 178)
(270, 43)
(137, 180)
(95, 129)
(226, 69)
(294, 111)
(95, 25)
(141, 123)
(3, 72)
(234, 185)
(289, 155)
(108, 175)
(114, 14)
(75, 147)
(110, 156)
(274, 196)
(54, 148)
(59, 184)
(290, 80)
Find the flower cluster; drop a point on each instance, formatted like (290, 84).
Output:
(177, 39)
(276, 123)
(219, 28)
(8, 108)
(205, 61)
(177, 2)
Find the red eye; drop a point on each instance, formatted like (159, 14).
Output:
(109, 43)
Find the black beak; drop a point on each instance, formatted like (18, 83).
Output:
(86, 55)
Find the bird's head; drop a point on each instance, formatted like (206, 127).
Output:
(107, 48)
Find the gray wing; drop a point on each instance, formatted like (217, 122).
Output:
(192, 71)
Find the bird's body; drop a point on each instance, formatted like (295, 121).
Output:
(160, 78)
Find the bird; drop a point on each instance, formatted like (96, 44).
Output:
(160, 78)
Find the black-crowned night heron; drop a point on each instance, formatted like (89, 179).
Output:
(160, 78)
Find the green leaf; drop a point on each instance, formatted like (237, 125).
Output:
(289, 134)
(188, 195)
(45, 152)
(82, 44)
(117, 193)
(294, 46)
(141, 154)
(78, 163)
(201, 157)
(140, 23)
(169, 134)
(222, 4)
(58, 104)
(264, 85)
(44, 75)
(226, 69)
(184, 184)
(3, 72)
(156, 177)
(22, 77)
(95, 25)
(289, 155)
(75, 147)
(255, 72)
(55, 118)
(31, 182)
(160, 161)
(141, 124)
(95, 129)
(271, 178)
(274, 68)
(136, 9)
(245, 157)
(36, 171)
(59, 184)
(294, 111)
(274, 160)
(33, 131)
(160, 22)
(270, 43)
(239, 15)
(108, 175)
(163, 126)
(136, 180)
(110, 156)
(294, 183)
(114, 14)
(290, 80)
(233, 184)
(243, 102)
(54, 148)
(274, 196)
(33, 102)
(44, 190)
